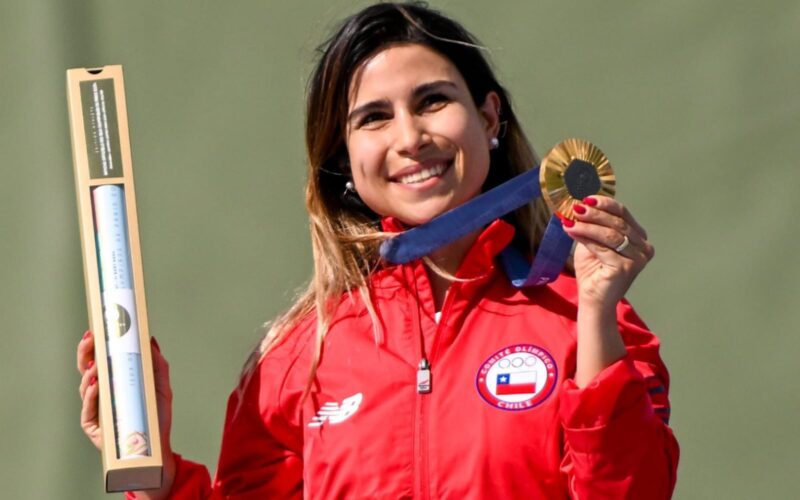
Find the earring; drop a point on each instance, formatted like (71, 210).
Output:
(350, 196)
(349, 189)
(494, 143)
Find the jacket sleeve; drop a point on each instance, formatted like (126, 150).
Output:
(617, 442)
(261, 453)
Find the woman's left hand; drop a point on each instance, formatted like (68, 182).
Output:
(612, 250)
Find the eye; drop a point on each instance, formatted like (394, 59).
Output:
(433, 102)
(372, 119)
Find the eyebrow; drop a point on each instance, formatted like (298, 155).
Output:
(418, 91)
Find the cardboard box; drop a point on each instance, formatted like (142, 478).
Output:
(112, 265)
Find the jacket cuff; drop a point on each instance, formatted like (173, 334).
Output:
(609, 412)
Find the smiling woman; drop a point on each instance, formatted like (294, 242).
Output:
(417, 142)
(400, 381)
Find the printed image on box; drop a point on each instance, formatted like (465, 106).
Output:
(119, 315)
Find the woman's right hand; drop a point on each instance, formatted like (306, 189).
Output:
(90, 416)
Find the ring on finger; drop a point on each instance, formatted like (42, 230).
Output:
(622, 246)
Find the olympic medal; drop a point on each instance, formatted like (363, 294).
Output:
(571, 171)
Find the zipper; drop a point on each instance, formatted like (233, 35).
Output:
(424, 386)
(424, 376)
(423, 402)
(425, 380)
(423, 398)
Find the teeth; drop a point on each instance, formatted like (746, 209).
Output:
(422, 174)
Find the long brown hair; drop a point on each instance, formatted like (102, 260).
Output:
(345, 234)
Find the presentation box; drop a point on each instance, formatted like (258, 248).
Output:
(112, 263)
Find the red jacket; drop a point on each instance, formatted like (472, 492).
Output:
(503, 420)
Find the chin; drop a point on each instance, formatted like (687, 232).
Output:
(414, 221)
(417, 212)
(419, 217)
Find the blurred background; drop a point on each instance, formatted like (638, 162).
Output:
(696, 104)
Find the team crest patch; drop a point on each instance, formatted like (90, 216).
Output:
(518, 377)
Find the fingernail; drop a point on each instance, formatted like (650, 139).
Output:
(592, 202)
(567, 222)
(86, 334)
(155, 343)
(579, 209)
(89, 365)
(93, 380)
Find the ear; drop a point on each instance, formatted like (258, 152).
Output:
(490, 112)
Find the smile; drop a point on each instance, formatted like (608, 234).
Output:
(424, 174)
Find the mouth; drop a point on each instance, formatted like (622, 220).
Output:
(422, 173)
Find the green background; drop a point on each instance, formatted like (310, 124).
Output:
(696, 104)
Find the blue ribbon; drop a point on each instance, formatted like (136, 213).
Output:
(554, 248)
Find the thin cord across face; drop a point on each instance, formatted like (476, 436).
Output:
(331, 172)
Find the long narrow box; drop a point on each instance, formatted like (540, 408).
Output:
(112, 264)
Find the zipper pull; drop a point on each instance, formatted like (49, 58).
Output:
(424, 377)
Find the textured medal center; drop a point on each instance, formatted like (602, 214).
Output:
(581, 179)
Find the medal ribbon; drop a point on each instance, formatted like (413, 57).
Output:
(554, 248)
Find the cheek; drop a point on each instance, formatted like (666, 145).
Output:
(475, 175)
(465, 130)
(473, 142)
(366, 158)
(456, 123)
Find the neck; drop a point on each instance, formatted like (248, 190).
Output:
(448, 259)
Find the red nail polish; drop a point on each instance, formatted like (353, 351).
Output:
(567, 222)
(93, 380)
(579, 209)
(89, 365)
(592, 202)
(155, 343)
(86, 334)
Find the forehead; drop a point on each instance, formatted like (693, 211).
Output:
(395, 71)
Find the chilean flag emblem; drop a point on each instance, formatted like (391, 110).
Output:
(516, 383)
(517, 378)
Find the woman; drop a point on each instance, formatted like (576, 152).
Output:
(434, 379)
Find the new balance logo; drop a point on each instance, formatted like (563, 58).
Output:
(335, 413)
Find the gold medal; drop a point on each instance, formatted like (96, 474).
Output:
(571, 171)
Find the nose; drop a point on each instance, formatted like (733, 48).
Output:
(412, 135)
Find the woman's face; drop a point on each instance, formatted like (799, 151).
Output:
(417, 143)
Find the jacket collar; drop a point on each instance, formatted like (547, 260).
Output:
(392, 225)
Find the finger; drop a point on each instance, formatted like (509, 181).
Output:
(591, 215)
(88, 379)
(89, 406)
(89, 417)
(610, 238)
(163, 392)
(614, 207)
(160, 371)
(625, 225)
(629, 257)
(85, 352)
